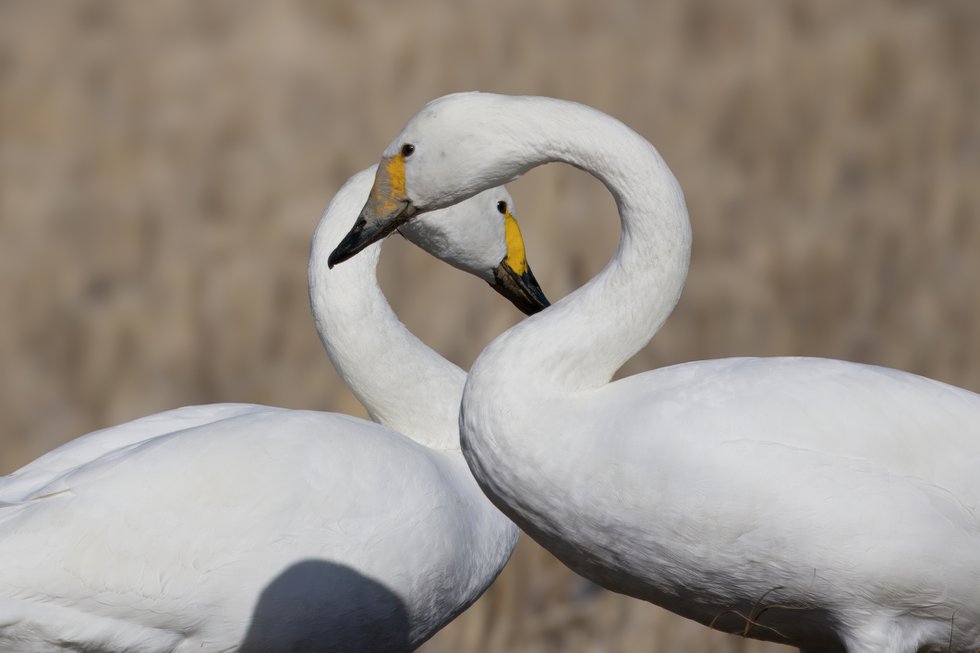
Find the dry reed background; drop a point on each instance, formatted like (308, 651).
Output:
(162, 166)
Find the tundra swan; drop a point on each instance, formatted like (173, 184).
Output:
(249, 528)
(821, 503)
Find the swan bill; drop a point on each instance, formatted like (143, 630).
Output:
(387, 208)
(513, 277)
(520, 289)
(365, 232)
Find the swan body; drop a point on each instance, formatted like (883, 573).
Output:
(826, 504)
(209, 562)
(236, 527)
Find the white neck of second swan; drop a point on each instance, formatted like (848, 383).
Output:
(402, 383)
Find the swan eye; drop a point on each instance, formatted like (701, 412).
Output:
(407, 150)
(502, 207)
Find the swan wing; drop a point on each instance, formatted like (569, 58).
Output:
(181, 538)
(900, 423)
(821, 472)
(86, 448)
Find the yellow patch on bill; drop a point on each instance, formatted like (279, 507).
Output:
(516, 258)
(395, 167)
(389, 186)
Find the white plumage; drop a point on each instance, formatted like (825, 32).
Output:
(821, 503)
(239, 527)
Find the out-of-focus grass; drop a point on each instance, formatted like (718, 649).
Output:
(162, 166)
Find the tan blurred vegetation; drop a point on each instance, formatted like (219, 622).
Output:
(162, 166)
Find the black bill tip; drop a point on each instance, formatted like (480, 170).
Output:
(522, 290)
(349, 246)
(367, 231)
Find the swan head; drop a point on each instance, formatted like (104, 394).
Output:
(481, 236)
(452, 149)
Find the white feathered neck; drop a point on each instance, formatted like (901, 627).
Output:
(583, 339)
(404, 384)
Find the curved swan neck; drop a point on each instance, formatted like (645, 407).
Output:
(583, 339)
(402, 383)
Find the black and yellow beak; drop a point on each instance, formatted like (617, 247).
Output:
(513, 277)
(387, 209)
(522, 290)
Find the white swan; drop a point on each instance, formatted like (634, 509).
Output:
(826, 504)
(238, 527)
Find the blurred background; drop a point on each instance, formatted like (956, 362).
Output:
(163, 165)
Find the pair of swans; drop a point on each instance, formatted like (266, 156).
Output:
(829, 505)
(239, 527)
